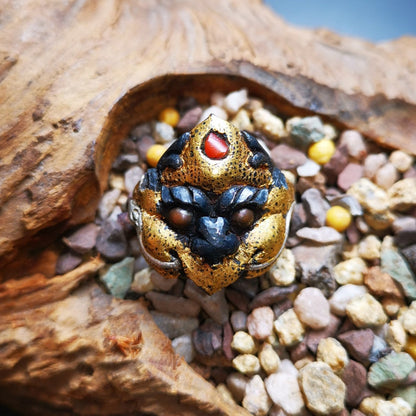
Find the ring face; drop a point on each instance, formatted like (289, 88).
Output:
(214, 209)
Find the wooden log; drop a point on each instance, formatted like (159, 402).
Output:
(74, 79)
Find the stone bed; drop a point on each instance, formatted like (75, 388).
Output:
(331, 329)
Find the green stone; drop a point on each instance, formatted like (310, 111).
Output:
(407, 393)
(396, 266)
(307, 130)
(118, 277)
(387, 373)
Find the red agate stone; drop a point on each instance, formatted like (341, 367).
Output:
(215, 147)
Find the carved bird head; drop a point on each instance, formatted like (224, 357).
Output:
(214, 209)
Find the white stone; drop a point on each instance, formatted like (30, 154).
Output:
(371, 197)
(260, 322)
(183, 346)
(243, 343)
(142, 283)
(283, 272)
(256, 399)
(132, 177)
(216, 111)
(116, 181)
(408, 319)
(355, 144)
(396, 335)
(163, 132)
(339, 300)
(289, 328)
(386, 176)
(350, 271)
(269, 124)
(366, 311)
(369, 247)
(401, 160)
(309, 168)
(247, 363)
(269, 359)
(394, 407)
(331, 352)
(312, 308)
(235, 100)
(373, 163)
(283, 389)
(108, 202)
(242, 120)
(402, 195)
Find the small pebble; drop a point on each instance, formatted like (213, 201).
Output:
(336, 165)
(349, 203)
(350, 271)
(322, 235)
(256, 399)
(216, 111)
(215, 306)
(338, 217)
(235, 100)
(321, 151)
(401, 160)
(287, 157)
(358, 343)
(183, 346)
(108, 202)
(169, 116)
(366, 311)
(379, 348)
(243, 343)
(242, 120)
(380, 283)
(369, 247)
(283, 389)
(246, 364)
(408, 319)
(289, 328)
(111, 241)
(307, 130)
(309, 168)
(312, 308)
(354, 142)
(189, 120)
(271, 125)
(154, 153)
(67, 262)
(331, 352)
(118, 277)
(373, 163)
(315, 207)
(238, 320)
(174, 326)
(236, 383)
(323, 391)
(269, 359)
(402, 195)
(387, 373)
(132, 177)
(314, 337)
(386, 176)
(371, 197)
(283, 272)
(163, 133)
(208, 338)
(260, 322)
(160, 282)
(407, 393)
(142, 283)
(395, 265)
(396, 335)
(354, 376)
(116, 181)
(350, 175)
(83, 240)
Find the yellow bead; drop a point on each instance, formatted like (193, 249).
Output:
(322, 151)
(169, 116)
(410, 346)
(338, 217)
(154, 153)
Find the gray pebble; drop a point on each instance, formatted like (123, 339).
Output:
(174, 326)
(315, 207)
(173, 304)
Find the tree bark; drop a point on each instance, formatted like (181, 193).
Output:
(75, 77)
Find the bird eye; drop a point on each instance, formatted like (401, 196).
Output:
(180, 218)
(243, 218)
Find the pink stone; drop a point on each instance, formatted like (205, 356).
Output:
(260, 322)
(351, 173)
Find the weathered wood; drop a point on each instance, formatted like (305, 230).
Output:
(74, 78)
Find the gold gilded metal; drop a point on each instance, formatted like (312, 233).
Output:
(212, 252)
